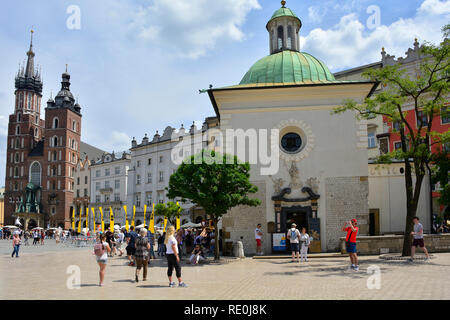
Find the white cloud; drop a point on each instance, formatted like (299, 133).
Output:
(192, 27)
(316, 13)
(350, 43)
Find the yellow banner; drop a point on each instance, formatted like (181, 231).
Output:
(134, 214)
(79, 222)
(165, 223)
(93, 217)
(111, 219)
(73, 219)
(145, 213)
(151, 227)
(127, 226)
(178, 221)
(87, 218)
(103, 221)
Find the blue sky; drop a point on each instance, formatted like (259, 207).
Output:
(137, 65)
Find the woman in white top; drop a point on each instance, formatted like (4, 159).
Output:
(102, 259)
(305, 242)
(173, 259)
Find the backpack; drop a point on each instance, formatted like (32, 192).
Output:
(99, 249)
(293, 235)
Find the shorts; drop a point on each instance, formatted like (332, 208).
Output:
(103, 261)
(295, 247)
(131, 251)
(351, 247)
(418, 243)
(258, 242)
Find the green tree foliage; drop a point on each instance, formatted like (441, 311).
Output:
(426, 92)
(440, 175)
(216, 182)
(170, 210)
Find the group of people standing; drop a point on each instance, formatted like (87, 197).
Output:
(139, 251)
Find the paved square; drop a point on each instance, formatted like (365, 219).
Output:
(40, 273)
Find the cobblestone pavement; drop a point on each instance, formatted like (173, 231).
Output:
(42, 275)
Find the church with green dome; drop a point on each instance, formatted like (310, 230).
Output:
(310, 166)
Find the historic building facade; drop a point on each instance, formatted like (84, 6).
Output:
(108, 187)
(386, 183)
(41, 154)
(322, 179)
(153, 162)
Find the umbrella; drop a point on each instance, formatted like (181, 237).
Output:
(140, 226)
(11, 227)
(191, 225)
(51, 228)
(38, 228)
(116, 227)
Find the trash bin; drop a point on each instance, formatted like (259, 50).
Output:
(238, 249)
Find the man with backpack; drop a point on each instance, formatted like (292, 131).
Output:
(293, 236)
(131, 249)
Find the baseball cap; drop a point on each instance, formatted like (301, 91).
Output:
(354, 221)
(293, 225)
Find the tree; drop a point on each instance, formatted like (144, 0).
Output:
(216, 182)
(426, 92)
(171, 211)
(440, 175)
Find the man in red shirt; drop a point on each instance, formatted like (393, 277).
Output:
(350, 240)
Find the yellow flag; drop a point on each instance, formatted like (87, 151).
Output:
(145, 213)
(79, 222)
(165, 223)
(178, 221)
(111, 219)
(103, 221)
(151, 227)
(73, 219)
(93, 217)
(87, 218)
(134, 214)
(127, 226)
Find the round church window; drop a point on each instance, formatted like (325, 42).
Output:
(291, 142)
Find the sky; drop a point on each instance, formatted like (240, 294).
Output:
(137, 66)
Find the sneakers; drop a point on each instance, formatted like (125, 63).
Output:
(172, 285)
(182, 285)
(137, 278)
(356, 268)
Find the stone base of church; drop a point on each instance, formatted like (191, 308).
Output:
(346, 198)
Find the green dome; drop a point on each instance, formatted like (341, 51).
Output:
(283, 12)
(288, 67)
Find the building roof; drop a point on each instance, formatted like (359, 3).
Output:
(283, 12)
(288, 68)
(37, 151)
(91, 152)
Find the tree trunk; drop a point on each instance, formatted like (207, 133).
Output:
(216, 240)
(412, 200)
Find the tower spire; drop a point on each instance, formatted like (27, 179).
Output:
(283, 4)
(29, 71)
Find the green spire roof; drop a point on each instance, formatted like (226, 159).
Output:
(283, 12)
(288, 67)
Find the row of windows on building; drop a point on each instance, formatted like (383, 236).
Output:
(107, 172)
(148, 198)
(18, 132)
(56, 141)
(149, 161)
(56, 124)
(150, 177)
(107, 185)
(281, 42)
(57, 156)
(107, 198)
(29, 101)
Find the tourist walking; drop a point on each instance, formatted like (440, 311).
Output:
(173, 259)
(305, 243)
(119, 240)
(16, 245)
(35, 237)
(151, 241)
(293, 236)
(26, 236)
(161, 245)
(101, 250)
(142, 245)
(350, 240)
(42, 237)
(258, 238)
(418, 239)
(131, 237)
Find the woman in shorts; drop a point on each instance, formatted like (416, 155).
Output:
(102, 260)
